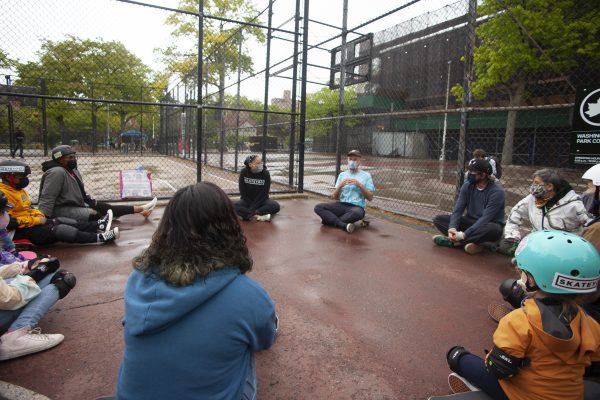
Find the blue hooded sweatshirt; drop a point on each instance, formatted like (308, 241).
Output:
(196, 341)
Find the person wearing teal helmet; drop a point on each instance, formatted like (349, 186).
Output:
(541, 350)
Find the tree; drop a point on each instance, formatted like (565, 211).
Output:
(84, 68)
(5, 61)
(324, 104)
(520, 40)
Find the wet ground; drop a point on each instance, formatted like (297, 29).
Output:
(363, 316)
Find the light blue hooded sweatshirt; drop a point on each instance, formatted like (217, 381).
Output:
(196, 341)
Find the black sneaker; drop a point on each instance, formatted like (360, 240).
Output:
(105, 222)
(44, 268)
(109, 236)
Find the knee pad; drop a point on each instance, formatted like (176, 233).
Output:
(512, 292)
(64, 233)
(64, 282)
(453, 357)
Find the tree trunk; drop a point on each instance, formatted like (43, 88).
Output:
(511, 124)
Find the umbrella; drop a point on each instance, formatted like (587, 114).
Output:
(132, 133)
(593, 174)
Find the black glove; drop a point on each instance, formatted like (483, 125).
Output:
(64, 282)
(43, 269)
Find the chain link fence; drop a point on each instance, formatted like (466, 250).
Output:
(76, 82)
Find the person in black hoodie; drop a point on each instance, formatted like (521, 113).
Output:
(62, 193)
(255, 183)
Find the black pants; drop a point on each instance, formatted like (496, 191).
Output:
(242, 208)
(339, 214)
(102, 209)
(77, 232)
(18, 146)
(490, 232)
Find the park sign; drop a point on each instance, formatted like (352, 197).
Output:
(585, 135)
(18, 101)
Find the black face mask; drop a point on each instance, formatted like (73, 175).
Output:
(23, 183)
(72, 164)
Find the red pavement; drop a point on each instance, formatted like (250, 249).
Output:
(363, 316)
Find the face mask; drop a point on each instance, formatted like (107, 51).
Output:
(352, 165)
(4, 220)
(72, 164)
(259, 168)
(537, 190)
(23, 182)
(471, 178)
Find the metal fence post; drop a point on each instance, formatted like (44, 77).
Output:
(199, 113)
(303, 97)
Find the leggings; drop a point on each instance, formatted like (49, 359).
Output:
(472, 368)
(102, 209)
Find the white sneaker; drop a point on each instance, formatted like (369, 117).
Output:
(458, 384)
(265, 218)
(26, 341)
(148, 207)
(350, 228)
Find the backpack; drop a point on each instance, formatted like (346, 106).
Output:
(496, 166)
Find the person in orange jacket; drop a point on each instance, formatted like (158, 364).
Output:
(542, 349)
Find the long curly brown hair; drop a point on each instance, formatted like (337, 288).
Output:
(198, 233)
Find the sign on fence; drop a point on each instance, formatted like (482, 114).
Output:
(135, 183)
(585, 137)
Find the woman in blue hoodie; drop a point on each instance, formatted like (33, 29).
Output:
(193, 319)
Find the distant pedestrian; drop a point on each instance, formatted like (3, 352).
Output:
(19, 140)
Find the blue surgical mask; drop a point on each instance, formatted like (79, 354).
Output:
(352, 165)
(471, 178)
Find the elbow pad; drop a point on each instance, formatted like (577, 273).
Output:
(502, 365)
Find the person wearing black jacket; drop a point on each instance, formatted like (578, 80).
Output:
(255, 183)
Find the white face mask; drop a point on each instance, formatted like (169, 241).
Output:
(259, 168)
(352, 165)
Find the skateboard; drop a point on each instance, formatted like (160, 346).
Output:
(479, 395)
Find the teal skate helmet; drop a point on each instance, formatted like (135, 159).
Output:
(560, 262)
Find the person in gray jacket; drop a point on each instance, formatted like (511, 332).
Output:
(62, 193)
(551, 204)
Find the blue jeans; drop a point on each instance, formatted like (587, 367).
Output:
(339, 214)
(31, 313)
(472, 368)
(250, 386)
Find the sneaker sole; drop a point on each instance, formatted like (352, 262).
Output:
(473, 249)
(109, 223)
(497, 311)
(457, 385)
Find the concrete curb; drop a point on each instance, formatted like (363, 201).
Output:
(9, 391)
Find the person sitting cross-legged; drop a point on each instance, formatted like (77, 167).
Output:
(254, 184)
(484, 200)
(352, 187)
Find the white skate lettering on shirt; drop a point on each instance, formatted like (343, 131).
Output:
(583, 285)
(251, 181)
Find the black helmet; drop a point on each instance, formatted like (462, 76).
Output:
(13, 167)
(4, 204)
(61, 151)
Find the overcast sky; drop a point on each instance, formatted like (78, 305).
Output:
(23, 23)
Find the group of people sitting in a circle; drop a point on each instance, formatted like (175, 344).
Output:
(192, 280)
(30, 284)
(548, 340)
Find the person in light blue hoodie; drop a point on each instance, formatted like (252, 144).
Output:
(193, 318)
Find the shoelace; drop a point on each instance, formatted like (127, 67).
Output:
(38, 331)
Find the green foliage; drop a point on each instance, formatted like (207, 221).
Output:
(566, 31)
(220, 43)
(325, 104)
(5, 61)
(84, 68)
